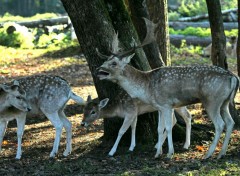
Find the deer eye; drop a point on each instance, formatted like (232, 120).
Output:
(18, 97)
(93, 112)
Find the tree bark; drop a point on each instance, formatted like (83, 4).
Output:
(236, 119)
(138, 11)
(218, 55)
(159, 13)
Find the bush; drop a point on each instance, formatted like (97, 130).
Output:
(192, 7)
(20, 38)
(200, 32)
(173, 16)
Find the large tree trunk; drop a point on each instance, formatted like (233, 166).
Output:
(94, 24)
(138, 11)
(218, 55)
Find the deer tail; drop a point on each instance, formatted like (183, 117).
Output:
(235, 87)
(77, 98)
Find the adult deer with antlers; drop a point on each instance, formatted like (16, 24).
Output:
(166, 88)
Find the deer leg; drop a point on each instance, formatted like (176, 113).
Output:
(58, 125)
(3, 126)
(133, 135)
(126, 123)
(20, 129)
(68, 127)
(161, 130)
(168, 120)
(161, 134)
(229, 126)
(184, 113)
(213, 112)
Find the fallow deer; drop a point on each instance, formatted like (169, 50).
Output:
(166, 88)
(231, 48)
(48, 95)
(13, 105)
(128, 109)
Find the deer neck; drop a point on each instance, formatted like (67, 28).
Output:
(134, 82)
(4, 103)
(107, 112)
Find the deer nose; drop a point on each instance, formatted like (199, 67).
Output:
(29, 109)
(83, 124)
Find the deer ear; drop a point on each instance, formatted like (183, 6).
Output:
(127, 59)
(16, 83)
(103, 103)
(5, 88)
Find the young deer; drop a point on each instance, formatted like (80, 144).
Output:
(13, 105)
(49, 95)
(128, 109)
(166, 88)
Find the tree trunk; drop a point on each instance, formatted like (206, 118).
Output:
(237, 119)
(238, 41)
(218, 55)
(94, 24)
(159, 13)
(138, 11)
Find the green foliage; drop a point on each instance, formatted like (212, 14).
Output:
(9, 17)
(233, 32)
(192, 7)
(34, 38)
(53, 39)
(173, 16)
(228, 4)
(21, 38)
(200, 32)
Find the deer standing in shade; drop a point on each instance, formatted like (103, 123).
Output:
(167, 88)
(128, 109)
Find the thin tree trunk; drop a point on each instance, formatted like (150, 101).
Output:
(218, 55)
(159, 13)
(237, 119)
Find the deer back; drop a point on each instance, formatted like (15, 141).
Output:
(45, 92)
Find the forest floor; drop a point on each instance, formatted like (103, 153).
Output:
(89, 154)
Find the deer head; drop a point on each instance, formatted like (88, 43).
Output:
(15, 96)
(116, 62)
(92, 110)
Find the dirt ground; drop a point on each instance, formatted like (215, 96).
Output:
(89, 154)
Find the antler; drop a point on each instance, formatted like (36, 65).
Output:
(102, 56)
(149, 38)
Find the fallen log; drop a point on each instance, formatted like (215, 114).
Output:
(41, 23)
(204, 16)
(182, 25)
(176, 40)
